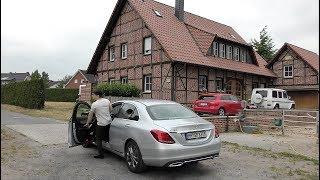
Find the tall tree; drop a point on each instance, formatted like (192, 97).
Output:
(64, 81)
(265, 45)
(35, 75)
(45, 78)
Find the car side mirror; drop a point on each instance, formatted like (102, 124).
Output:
(135, 118)
(112, 116)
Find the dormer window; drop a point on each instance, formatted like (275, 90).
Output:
(236, 53)
(243, 55)
(215, 49)
(157, 13)
(229, 52)
(222, 53)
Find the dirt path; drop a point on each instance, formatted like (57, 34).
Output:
(22, 157)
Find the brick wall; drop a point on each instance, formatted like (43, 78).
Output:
(72, 83)
(86, 91)
(224, 124)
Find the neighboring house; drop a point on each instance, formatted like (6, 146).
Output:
(172, 54)
(297, 71)
(53, 84)
(14, 77)
(79, 80)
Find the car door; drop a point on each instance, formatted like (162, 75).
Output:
(120, 126)
(76, 131)
(225, 103)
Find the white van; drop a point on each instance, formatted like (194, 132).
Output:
(269, 98)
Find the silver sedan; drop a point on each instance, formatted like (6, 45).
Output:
(151, 133)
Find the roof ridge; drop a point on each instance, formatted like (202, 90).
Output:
(192, 14)
(301, 48)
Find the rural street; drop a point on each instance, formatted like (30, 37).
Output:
(48, 157)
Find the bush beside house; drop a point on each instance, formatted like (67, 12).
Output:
(61, 95)
(120, 90)
(28, 94)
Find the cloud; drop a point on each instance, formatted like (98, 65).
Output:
(60, 36)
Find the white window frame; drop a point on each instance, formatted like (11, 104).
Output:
(124, 51)
(286, 70)
(124, 80)
(111, 53)
(147, 45)
(147, 82)
(80, 87)
(229, 52)
(82, 81)
(222, 52)
(111, 81)
(76, 81)
(215, 48)
(236, 53)
(243, 55)
(202, 82)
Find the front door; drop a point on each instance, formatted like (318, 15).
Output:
(76, 131)
(234, 87)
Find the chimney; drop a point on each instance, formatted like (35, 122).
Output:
(179, 9)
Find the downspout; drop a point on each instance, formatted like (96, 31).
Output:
(173, 82)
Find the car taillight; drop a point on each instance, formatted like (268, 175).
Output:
(216, 133)
(162, 137)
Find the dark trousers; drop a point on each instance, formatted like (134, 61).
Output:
(102, 133)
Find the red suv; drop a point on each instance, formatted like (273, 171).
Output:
(217, 103)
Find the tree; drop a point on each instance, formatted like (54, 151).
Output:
(45, 78)
(64, 81)
(35, 75)
(264, 46)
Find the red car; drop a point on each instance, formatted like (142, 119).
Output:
(217, 103)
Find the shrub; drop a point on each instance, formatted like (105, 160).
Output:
(28, 94)
(61, 95)
(117, 89)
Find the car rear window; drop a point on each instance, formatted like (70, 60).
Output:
(263, 93)
(169, 112)
(207, 98)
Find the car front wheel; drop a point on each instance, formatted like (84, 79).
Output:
(134, 158)
(221, 112)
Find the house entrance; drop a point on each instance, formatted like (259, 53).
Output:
(234, 87)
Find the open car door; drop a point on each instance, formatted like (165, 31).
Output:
(76, 131)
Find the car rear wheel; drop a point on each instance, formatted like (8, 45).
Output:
(276, 106)
(134, 158)
(221, 112)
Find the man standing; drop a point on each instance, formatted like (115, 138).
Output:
(101, 108)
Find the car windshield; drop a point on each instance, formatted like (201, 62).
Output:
(169, 112)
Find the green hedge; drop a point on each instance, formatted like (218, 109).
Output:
(117, 89)
(61, 95)
(28, 94)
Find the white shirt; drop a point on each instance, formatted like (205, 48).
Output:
(101, 110)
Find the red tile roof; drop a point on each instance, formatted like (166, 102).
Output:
(309, 57)
(178, 42)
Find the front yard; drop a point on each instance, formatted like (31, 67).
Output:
(56, 110)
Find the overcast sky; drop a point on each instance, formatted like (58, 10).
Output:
(60, 36)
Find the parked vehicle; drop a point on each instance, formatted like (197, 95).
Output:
(152, 133)
(217, 103)
(269, 98)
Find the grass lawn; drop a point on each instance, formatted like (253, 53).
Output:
(57, 110)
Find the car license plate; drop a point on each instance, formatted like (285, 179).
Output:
(196, 135)
(203, 104)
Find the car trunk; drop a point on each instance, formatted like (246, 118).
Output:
(188, 132)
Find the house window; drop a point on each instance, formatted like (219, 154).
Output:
(215, 48)
(254, 85)
(219, 84)
(229, 52)
(124, 51)
(236, 53)
(147, 45)
(243, 55)
(112, 81)
(202, 83)
(222, 53)
(288, 71)
(124, 80)
(263, 85)
(111, 54)
(147, 84)
(82, 81)
(76, 81)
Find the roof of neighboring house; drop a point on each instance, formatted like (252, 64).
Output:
(14, 76)
(53, 83)
(177, 40)
(88, 77)
(309, 57)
